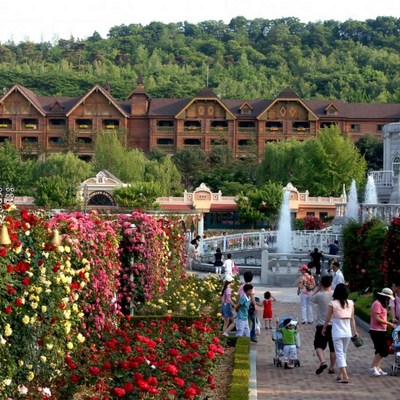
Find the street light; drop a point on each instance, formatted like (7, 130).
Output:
(6, 197)
(85, 197)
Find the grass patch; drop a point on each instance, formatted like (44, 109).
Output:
(239, 388)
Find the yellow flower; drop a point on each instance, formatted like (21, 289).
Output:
(49, 346)
(7, 330)
(43, 359)
(80, 338)
(20, 363)
(31, 376)
(26, 320)
(18, 249)
(34, 305)
(70, 345)
(44, 309)
(39, 290)
(67, 249)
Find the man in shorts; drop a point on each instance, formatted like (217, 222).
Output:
(321, 297)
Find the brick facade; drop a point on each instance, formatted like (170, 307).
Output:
(38, 124)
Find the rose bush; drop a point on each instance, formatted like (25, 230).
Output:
(40, 315)
(153, 359)
(61, 326)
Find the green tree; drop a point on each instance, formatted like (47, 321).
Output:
(139, 195)
(189, 162)
(68, 166)
(110, 154)
(329, 161)
(261, 204)
(15, 172)
(281, 162)
(55, 192)
(166, 174)
(372, 150)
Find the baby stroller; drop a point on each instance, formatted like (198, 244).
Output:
(277, 338)
(396, 349)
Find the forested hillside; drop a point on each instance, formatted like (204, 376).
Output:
(354, 61)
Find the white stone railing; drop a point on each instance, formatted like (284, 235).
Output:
(302, 241)
(382, 178)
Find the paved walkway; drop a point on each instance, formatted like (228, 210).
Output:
(302, 383)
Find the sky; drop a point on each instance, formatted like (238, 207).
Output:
(50, 20)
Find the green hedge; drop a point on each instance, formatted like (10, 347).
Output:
(362, 305)
(239, 388)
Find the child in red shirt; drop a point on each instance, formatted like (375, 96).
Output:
(268, 313)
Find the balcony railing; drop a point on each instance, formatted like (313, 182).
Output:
(382, 178)
(219, 129)
(246, 130)
(192, 129)
(166, 128)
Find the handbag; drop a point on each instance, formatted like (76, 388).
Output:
(357, 341)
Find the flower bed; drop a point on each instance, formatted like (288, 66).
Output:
(62, 328)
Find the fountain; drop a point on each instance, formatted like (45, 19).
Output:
(352, 204)
(371, 196)
(284, 234)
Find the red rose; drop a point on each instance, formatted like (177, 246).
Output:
(94, 371)
(128, 387)
(10, 268)
(18, 302)
(8, 309)
(26, 281)
(119, 392)
(179, 382)
(74, 378)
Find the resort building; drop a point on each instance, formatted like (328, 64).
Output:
(39, 125)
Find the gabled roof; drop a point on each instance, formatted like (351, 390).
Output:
(331, 105)
(99, 88)
(28, 94)
(107, 174)
(288, 94)
(244, 105)
(206, 94)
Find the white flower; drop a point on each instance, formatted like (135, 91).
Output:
(22, 389)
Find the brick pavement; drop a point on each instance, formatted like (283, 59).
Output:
(303, 383)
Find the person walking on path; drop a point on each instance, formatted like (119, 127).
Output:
(377, 329)
(268, 313)
(305, 286)
(395, 304)
(228, 266)
(338, 276)
(226, 307)
(248, 278)
(218, 257)
(322, 297)
(341, 314)
(316, 258)
(333, 248)
(242, 316)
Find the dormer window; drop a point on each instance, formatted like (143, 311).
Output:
(331, 110)
(245, 109)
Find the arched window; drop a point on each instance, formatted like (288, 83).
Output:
(396, 165)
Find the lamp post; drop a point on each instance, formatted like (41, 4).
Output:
(6, 197)
(85, 197)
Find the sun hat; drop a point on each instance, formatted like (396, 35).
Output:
(303, 267)
(387, 292)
